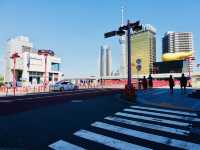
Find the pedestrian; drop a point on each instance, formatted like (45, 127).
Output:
(144, 83)
(150, 81)
(183, 83)
(171, 84)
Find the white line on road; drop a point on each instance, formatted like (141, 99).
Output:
(149, 125)
(178, 123)
(148, 136)
(163, 115)
(62, 145)
(108, 141)
(166, 110)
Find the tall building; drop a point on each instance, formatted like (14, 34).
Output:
(173, 42)
(102, 62)
(108, 61)
(123, 60)
(105, 61)
(178, 46)
(30, 65)
(143, 46)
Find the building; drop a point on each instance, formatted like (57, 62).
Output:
(30, 66)
(178, 46)
(108, 61)
(173, 42)
(123, 60)
(105, 61)
(143, 47)
(177, 66)
(102, 62)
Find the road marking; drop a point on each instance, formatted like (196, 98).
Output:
(148, 136)
(62, 145)
(166, 110)
(162, 115)
(153, 119)
(149, 125)
(76, 101)
(108, 141)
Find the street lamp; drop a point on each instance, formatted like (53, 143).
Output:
(121, 31)
(45, 53)
(14, 56)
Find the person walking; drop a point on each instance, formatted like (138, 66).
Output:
(183, 83)
(171, 84)
(150, 81)
(144, 83)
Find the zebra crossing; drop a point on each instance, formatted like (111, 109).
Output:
(136, 128)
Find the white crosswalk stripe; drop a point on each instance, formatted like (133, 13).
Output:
(148, 136)
(154, 119)
(62, 145)
(166, 110)
(163, 115)
(108, 141)
(149, 125)
(167, 132)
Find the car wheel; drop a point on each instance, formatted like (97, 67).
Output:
(61, 89)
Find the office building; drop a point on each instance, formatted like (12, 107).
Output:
(178, 46)
(143, 46)
(173, 42)
(30, 66)
(105, 61)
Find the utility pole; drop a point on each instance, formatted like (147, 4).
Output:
(45, 53)
(129, 89)
(14, 57)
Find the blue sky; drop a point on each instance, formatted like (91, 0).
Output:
(74, 28)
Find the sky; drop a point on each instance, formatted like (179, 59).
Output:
(75, 29)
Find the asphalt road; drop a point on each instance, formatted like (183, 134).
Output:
(98, 123)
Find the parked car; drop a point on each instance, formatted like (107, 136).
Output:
(63, 86)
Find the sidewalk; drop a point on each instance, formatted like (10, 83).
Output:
(162, 98)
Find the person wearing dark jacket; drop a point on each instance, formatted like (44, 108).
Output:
(150, 79)
(183, 83)
(144, 83)
(171, 84)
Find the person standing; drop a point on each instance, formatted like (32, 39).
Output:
(144, 83)
(183, 83)
(150, 81)
(171, 84)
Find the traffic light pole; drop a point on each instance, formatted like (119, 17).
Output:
(129, 54)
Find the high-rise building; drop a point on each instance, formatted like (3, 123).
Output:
(105, 61)
(30, 66)
(102, 62)
(123, 55)
(178, 46)
(123, 61)
(108, 61)
(173, 42)
(143, 48)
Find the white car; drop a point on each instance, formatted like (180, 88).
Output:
(63, 86)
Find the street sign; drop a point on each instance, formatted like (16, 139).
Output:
(138, 61)
(139, 67)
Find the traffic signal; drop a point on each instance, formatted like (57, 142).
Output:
(120, 32)
(110, 34)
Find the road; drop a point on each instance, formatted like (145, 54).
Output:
(98, 123)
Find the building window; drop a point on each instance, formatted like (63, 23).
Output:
(55, 66)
